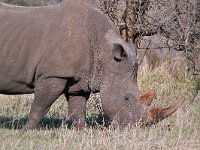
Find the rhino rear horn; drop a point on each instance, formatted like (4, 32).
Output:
(157, 114)
(148, 97)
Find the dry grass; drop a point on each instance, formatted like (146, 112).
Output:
(179, 131)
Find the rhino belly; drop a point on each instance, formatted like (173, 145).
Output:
(10, 86)
(20, 52)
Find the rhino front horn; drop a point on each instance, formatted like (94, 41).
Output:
(157, 114)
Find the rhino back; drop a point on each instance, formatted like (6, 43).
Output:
(43, 40)
(68, 47)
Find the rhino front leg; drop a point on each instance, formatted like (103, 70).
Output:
(46, 92)
(77, 110)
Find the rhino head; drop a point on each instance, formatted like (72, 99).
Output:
(121, 98)
(137, 111)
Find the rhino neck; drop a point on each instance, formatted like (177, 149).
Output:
(97, 73)
(96, 65)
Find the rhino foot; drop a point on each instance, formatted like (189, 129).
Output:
(30, 126)
(77, 110)
(80, 126)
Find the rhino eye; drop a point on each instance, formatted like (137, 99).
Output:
(127, 97)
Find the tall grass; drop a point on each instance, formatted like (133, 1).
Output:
(179, 131)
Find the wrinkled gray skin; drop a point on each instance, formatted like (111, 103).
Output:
(72, 49)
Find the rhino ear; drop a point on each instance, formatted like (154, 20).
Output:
(119, 53)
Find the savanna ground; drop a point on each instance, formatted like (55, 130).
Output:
(179, 131)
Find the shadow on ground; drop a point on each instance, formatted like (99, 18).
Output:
(52, 122)
(12, 123)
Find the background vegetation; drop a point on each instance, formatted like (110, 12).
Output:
(175, 20)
